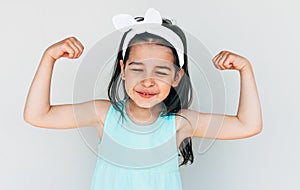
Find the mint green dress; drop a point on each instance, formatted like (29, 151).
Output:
(133, 157)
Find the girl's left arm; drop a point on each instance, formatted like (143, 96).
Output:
(247, 122)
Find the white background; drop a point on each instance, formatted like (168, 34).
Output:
(266, 32)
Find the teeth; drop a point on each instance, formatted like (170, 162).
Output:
(146, 93)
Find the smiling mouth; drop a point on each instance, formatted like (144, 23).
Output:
(146, 94)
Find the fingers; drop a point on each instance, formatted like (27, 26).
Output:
(223, 60)
(72, 48)
(69, 47)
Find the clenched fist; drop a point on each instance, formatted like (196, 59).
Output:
(228, 60)
(70, 48)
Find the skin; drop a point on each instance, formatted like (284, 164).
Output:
(148, 75)
(247, 122)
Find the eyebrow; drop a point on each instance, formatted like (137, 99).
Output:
(135, 63)
(163, 67)
(158, 66)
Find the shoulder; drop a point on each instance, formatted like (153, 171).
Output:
(103, 103)
(187, 121)
(183, 123)
(101, 108)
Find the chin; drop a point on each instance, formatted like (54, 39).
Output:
(145, 103)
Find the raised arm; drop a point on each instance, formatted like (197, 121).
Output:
(38, 111)
(246, 123)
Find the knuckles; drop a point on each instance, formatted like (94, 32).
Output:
(70, 46)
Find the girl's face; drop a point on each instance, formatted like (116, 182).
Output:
(149, 74)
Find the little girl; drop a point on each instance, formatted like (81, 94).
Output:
(140, 132)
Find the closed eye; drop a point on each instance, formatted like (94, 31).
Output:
(137, 70)
(162, 73)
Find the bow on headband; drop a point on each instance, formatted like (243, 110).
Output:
(151, 24)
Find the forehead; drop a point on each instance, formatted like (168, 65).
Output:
(150, 51)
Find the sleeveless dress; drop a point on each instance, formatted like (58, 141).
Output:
(134, 157)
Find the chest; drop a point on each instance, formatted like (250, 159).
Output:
(179, 135)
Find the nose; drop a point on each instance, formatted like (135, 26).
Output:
(148, 82)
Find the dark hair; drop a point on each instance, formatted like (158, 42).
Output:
(179, 97)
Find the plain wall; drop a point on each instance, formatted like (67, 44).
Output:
(266, 32)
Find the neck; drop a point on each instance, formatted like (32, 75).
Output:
(142, 115)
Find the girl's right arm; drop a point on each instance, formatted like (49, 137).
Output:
(38, 111)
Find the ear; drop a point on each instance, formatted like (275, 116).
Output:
(122, 69)
(178, 77)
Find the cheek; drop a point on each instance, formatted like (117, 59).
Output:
(165, 89)
(164, 82)
(129, 84)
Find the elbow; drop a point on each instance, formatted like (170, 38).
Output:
(26, 117)
(29, 120)
(256, 132)
(32, 120)
(255, 129)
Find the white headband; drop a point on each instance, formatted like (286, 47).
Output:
(151, 24)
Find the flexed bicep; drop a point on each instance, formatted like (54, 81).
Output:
(66, 116)
(215, 126)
